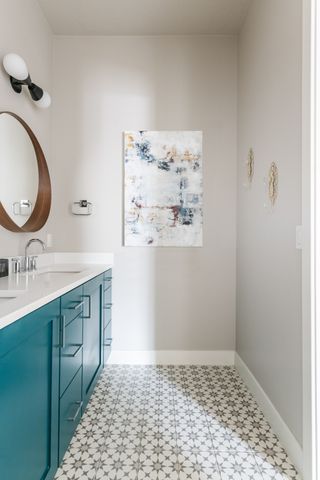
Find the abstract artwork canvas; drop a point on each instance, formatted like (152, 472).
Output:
(163, 188)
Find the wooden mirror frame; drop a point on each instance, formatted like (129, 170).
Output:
(42, 206)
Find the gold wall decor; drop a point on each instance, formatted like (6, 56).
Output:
(250, 165)
(273, 183)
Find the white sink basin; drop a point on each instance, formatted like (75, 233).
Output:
(11, 293)
(6, 295)
(5, 299)
(58, 272)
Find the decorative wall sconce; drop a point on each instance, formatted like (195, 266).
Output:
(248, 169)
(273, 183)
(17, 69)
(250, 165)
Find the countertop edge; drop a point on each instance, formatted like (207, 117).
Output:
(93, 271)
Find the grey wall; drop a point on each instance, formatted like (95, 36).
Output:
(269, 324)
(164, 298)
(24, 30)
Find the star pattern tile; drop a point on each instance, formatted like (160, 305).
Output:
(174, 423)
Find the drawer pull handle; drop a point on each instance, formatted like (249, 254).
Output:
(62, 331)
(89, 298)
(107, 279)
(79, 405)
(109, 340)
(77, 305)
(107, 306)
(75, 352)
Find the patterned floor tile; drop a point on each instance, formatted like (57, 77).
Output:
(275, 465)
(238, 466)
(76, 470)
(197, 465)
(174, 423)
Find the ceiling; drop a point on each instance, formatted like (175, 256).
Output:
(144, 17)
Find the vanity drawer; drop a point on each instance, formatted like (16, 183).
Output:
(70, 351)
(107, 306)
(72, 304)
(107, 341)
(70, 412)
(107, 279)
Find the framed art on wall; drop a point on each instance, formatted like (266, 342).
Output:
(163, 188)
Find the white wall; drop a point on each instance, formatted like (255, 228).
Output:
(164, 298)
(24, 30)
(269, 325)
(180, 298)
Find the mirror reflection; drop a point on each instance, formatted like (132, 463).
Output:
(19, 170)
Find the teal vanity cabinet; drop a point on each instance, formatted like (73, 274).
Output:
(50, 361)
(29, 398)
(107, 315)
(92, 335)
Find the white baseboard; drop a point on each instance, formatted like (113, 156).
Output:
(172, 357)
(277, 423)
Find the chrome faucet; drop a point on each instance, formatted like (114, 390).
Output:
(30, 262)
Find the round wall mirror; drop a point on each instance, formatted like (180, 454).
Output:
(25, 190)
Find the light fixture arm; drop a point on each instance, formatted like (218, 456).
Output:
(35, 92)
(17, 84)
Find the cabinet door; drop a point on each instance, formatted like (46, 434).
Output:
(107, 342)
(70, 412)
(71, 336)
(29, 379)
(92, 335)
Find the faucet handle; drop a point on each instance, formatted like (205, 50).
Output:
(33, 262)
(16, 265)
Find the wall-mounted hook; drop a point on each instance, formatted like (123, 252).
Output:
(82, 207)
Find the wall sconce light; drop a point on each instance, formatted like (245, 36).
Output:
(17, 69)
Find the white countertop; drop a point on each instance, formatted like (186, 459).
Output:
(57, 274)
